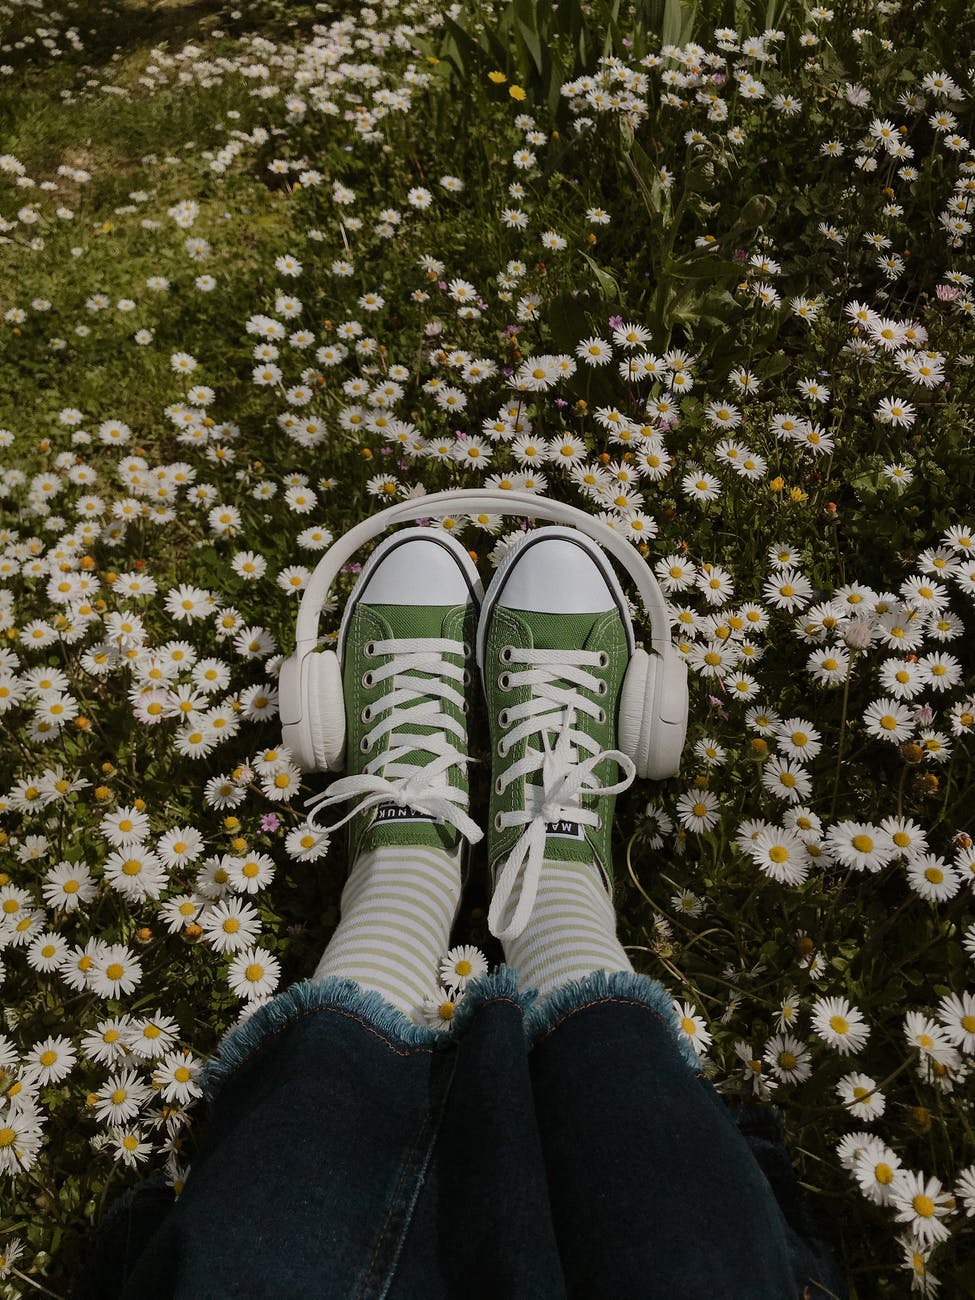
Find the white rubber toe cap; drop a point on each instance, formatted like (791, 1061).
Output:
(418, 571)
(554, 575)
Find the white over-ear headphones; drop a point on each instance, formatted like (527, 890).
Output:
(652, 719)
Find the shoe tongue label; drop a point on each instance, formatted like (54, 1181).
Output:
(565, 829)
(392, 812)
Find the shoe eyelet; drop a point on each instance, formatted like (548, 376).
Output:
(504, 682)
(367, 678)
(369, 649)
(467, 678)
(502, 749)
(601, 716)
(602, 688)
(503, 717)
(467, 650)
(599, 822)
(497, 822)
(498, 787)
(504, 654)
(366, 714)
(365, 745)
(603, 659)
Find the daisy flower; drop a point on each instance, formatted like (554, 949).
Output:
(932, 877)
(786, 780)
(230, 924)
(930, 1038)
(888, 720)
(875, 1168)
(254, 973)
(858, 1093)
(957, 1016)
(115, 971)
(461, 965)
(698, 810)
(125, 826)
(438, 1011)
(594, 351)
(799, 739)
(922, 1205)
(175, 1075)
(121, 1097)
(692, 1026)
(780, 854)
(152, 1036)
(789, 589)
(788, 1058)
(839, 1024)
(49, 1061)
(860, 845)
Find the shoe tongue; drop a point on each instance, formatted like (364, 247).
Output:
(559, 631)
(414, 621)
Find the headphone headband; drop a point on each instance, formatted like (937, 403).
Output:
(500, 502)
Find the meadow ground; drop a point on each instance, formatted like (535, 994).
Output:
(704, 271)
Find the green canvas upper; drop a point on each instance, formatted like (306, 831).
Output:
(603, 632)
(386, 825)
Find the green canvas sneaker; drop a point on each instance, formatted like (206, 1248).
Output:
(554, 643)
(406, 645)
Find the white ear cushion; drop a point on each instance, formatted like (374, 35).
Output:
(653, 714)
(632, 727)
(324, 706)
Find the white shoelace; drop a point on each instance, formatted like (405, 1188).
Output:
(410, 699)
(565, 777)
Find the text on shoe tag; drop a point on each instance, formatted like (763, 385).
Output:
(391, 812)
(566, 829)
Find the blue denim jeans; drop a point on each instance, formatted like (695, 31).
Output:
(538, 1150)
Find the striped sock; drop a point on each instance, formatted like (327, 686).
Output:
(398, 908)
(571, 931)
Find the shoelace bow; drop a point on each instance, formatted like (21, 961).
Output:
(565, 778)
(410, 699)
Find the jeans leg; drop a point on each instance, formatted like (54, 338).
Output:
(655, 1193)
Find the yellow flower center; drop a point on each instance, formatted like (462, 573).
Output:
(48, 1057)
(131, 867)
(7, 1136)
(231, 925)
(115, 970)
(863, 843)
(463, 968)
(934, 874)
(254, 972)
(839, 1025)
(130, 1142)
(181, 1074)
(901, 839)
(787, 1060)
(118, 1096)
(883, 1173)
(924, 1206)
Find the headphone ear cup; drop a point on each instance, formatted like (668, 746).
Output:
(632, 727)
(324, 707)
(652, 721)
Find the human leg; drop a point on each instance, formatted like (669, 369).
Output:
(655, 1193)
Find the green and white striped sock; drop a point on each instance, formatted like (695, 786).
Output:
(571, 931)
(398, 908)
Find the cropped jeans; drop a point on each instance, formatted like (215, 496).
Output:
(536, 1150)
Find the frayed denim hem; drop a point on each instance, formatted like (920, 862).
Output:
(609, 986)
(347, 996)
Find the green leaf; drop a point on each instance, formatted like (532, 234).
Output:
(607, 283)
(702, 268)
